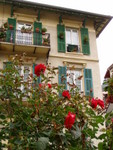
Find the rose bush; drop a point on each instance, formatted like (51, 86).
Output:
(35, 117)
(66, 94)
(40, 69)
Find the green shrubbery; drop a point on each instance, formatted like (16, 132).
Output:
(37, 118)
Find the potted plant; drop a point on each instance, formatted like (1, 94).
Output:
(2, 36)
(5, 25)
(61, 35)
(23, 30)
(44, 30)
(37, 30)
(28, 30)
(85, 39)
(11, 27)
(45, 41)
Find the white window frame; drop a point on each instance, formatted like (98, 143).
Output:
(71, 73)
(22, 73)
(78, 39)
(26, 38)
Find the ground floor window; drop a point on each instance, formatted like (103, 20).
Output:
(24, 72)
(73, 78)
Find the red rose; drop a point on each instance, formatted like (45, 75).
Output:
(100, 103)
(40, 85)
(93, 103)
(69, 120)
(66, 94)
(112, 120)
(109, 99)
(49, 86)
(40, 69)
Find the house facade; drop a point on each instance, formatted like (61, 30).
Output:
(69, 42)
(108, 75)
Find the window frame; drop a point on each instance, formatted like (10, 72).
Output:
(81, 74)
(78, 38)
(22, 73)
(24, 35)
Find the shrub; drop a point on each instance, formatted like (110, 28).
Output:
(38, 118)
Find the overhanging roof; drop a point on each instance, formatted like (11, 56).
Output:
(107, 74)
(100, 21)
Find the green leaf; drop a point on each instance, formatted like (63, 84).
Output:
(42, 143)
(100, 146)
(102, 136)
(76, 134)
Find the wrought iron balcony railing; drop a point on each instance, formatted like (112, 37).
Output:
(24, 38)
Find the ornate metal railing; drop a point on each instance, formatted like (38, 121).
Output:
(24, 37)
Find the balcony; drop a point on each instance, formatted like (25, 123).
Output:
(29, 42)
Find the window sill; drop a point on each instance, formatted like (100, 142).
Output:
(74, 53)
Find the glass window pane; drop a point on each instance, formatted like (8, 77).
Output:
(26, 72)
(23, 38)
(68, 36)
(72, 78)
(75, 39)
(77, 81)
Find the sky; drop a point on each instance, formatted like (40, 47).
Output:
(105, 40)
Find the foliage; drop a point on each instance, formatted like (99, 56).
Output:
(32, 116)
(85, 39)
(107, 135)
(44, 30)
(109, 85)
(61, 35)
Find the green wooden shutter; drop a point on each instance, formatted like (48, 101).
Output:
(88, 82)
(37, 37)
(61, 42)
(39, 78)
(11, 34)
(85, 41)
(62, 77)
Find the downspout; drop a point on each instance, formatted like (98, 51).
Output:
(47, 57)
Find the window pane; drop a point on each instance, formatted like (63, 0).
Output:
(23, 38)
(68, 36)
(75, 37)
(77, 81)
(26, 72)
(72, 78)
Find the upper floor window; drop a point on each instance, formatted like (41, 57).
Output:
(23, 36)
(72, 40)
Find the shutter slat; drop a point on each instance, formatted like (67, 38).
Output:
(37, 37)
(85, 45)
(62, 75)
(88, 82)
(61, 42)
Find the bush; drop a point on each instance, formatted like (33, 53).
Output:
(37, 118)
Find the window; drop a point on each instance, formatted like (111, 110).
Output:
(72, 40)
(24, 37)
(24, 71)
(73, 77)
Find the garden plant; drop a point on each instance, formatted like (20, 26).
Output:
(46, 116)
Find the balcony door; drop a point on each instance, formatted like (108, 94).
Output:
(23, 36)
